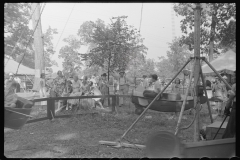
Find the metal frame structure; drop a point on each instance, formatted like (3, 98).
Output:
(120, 144)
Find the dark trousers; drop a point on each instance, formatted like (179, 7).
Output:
(18, 88)
(230, 130)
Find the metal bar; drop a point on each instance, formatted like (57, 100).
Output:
(18, 112)
(217, 74)
(204, 86)
(220, 127)
(184, 101)
(145, 110)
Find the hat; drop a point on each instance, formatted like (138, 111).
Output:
(224, 77)
(11, 74)
(104, 74)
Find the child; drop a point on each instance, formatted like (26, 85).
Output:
(95, 91)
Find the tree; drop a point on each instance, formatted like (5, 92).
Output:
(16, 20)
(135, 65)
(177, 56)
(70, 54)
(48, 47)
(114, 43)
(229, 36)
(214, 21)
(164, 68)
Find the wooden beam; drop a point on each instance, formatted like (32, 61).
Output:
(122, 144)
(197, 19)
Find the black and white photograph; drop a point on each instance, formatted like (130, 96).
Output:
(119, 80)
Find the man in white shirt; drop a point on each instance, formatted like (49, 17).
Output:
(123, 83)
(18, 80)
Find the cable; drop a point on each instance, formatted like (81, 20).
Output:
(140, 19)
(18, 39)
(31, 37)
(64, 26)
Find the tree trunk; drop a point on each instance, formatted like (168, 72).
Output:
(211, 51)
(212, 35)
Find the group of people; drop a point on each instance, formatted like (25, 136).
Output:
(62, 87)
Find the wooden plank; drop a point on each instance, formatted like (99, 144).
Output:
(122, 144)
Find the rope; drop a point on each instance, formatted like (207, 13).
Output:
(31, 37)
(65, 26)
(141, 19)
(18, 40)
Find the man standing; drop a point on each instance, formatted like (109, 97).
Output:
(18, 80)
(9, 80)
(123, 82)
(218, 93)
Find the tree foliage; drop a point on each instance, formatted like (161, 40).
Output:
(177, 56)
(16, 20)
(70, 54)
(215, 18)
(48, 47)
(114, 44)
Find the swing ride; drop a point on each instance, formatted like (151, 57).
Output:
(164, 144)
(168, 102)
(16, 118)
(160, 144)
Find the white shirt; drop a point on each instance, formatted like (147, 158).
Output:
(18, 80)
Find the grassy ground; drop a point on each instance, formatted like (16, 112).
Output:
(79, 136)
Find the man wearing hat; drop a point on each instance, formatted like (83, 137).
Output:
(123, 83)
(9, 80)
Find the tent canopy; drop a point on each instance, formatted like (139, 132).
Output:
(13, 65)
(223, 64)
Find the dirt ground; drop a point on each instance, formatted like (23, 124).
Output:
(79, 135)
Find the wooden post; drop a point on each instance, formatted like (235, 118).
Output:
(38, 42)
(50, 109)
(114, 98)
(197, 19)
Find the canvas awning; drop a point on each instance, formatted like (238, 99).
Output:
(223, 64)
(13, 65)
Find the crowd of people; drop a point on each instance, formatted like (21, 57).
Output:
(83, 86)
(94, 85)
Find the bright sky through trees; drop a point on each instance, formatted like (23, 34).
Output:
(156, 27)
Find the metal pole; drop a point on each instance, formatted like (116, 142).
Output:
(204, 86)
(217, 73)
(184, 101)
(220, 127)
(145, 110)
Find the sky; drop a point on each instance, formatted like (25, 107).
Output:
(158, 26)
